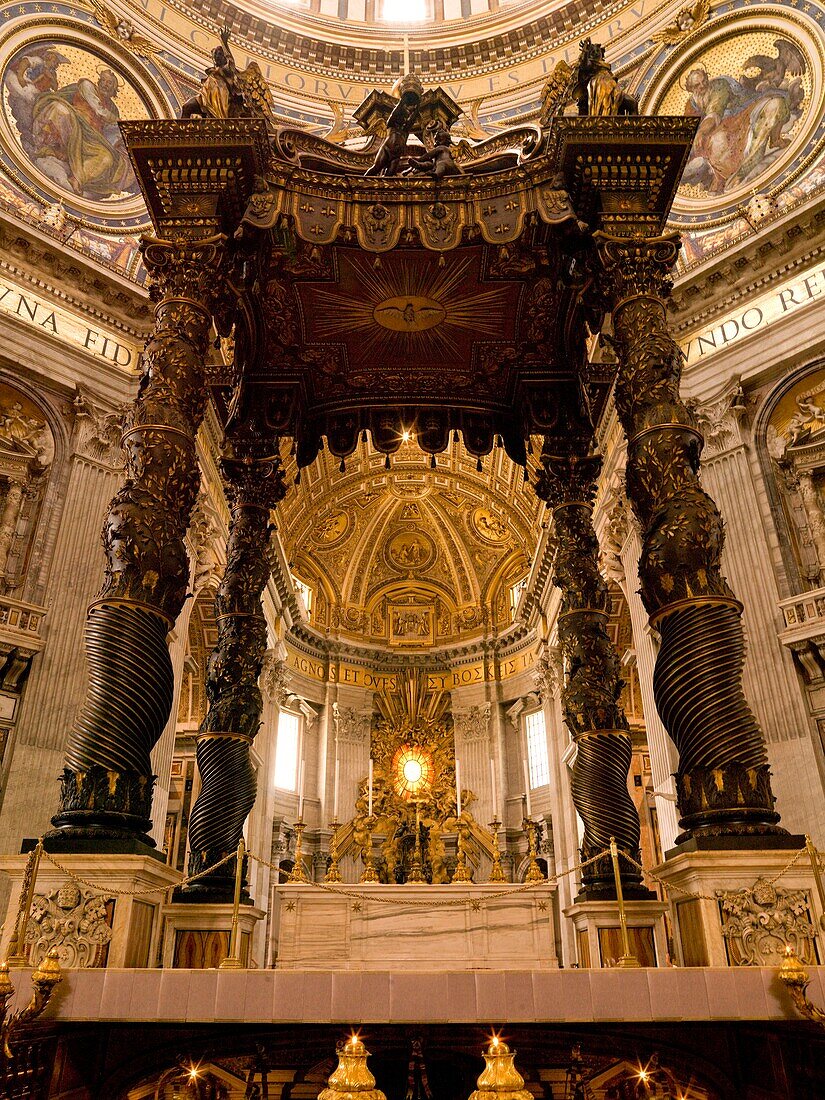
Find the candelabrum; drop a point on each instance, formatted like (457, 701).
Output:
(417, 870)
(333, 871)
(534, 872)
(369, 874)
(298, 871)
(461, 872)
(496, 871)
(796, 980)
(500, 1080)
(44, 978)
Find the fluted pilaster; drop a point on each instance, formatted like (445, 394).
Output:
(723, 781)
(107, 779)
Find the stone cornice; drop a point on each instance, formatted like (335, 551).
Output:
(68, 277)
(768, 255)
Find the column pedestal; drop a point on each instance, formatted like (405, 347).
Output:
(599, 938)
(92, 927)
(745, 918)
(196, 934)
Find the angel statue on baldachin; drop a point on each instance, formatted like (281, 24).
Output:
(226, 92)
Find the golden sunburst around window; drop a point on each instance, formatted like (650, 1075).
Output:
(412, 772)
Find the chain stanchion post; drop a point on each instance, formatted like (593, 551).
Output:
(233, 959)
(813, 855)
(17, 958)
(628, 960)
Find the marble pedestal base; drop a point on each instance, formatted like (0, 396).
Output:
(196, 935)
(706, 929)
(398, 927)
(599, 938)
(92, 927)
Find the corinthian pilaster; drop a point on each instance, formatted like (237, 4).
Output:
(592, 682)
(723, 780)
(107, 779)
(255, 481)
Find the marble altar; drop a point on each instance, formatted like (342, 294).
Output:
(384, 927)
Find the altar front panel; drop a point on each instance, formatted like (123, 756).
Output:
(428, 927)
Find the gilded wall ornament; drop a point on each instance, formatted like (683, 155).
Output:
(490, 527)
(332, 529)
(73, 919)
(759, 922)
(410, 551)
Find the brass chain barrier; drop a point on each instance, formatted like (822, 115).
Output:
(363, 892)
(361, 895)
(112, 892)
(708, 897)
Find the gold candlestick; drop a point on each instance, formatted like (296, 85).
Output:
(333, 873)
(298, 872)
(534, 872)
(461, 873)
(496, 871)
(417, 871)
(369, 874)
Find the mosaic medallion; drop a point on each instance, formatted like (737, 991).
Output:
(756, 88)
(63, 96)
(410, 551)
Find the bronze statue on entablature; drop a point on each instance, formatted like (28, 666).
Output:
(589, 84)
(400, 125)
(438, 161)
(228, 92)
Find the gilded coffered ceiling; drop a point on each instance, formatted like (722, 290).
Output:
(414, 555)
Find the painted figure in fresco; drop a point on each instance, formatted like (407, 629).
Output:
(71, 133)
(744, 123)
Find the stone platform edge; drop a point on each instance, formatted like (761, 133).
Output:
(467, 996)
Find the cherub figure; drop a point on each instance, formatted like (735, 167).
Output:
(438, 161)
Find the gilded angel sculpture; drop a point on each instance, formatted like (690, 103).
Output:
(228, 92)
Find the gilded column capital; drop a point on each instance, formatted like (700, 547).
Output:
(635, 266)
(184, 269)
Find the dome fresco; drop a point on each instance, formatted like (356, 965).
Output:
(70, 67)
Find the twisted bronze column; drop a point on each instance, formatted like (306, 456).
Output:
(592, 681)
(723, 781)
(255, 484)
(107, 781)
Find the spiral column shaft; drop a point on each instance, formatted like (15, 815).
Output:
(107, 781)
(723, 780)
(592, 682)
(228, 784)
